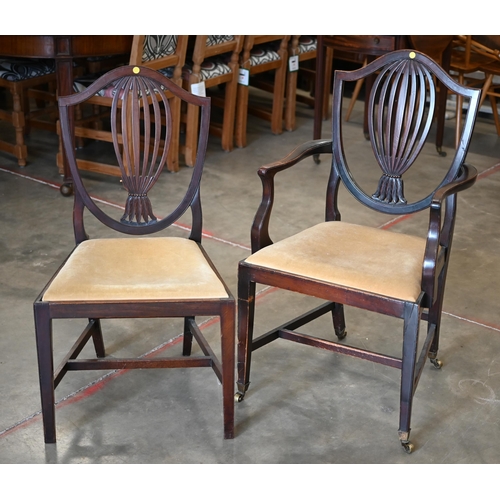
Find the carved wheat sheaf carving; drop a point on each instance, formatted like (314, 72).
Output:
(401, 111)
(137, 142)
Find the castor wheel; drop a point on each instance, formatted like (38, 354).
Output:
(239, 397)
(342, 334)
(66, 189)
(436, 363)
(407, 446)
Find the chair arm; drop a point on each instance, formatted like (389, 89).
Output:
(260, 227)
(438, 236)
(465, 180)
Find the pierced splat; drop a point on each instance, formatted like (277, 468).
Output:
(137, 149)
(401, 110)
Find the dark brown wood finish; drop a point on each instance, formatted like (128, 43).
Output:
(64, 49)
(140, 92)
(400, 108)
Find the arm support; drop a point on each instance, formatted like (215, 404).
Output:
(260, 228)
(439, 236)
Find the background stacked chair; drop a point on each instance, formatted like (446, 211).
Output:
(304, 48)
(212, 69)
(265, 57)
(30, 102)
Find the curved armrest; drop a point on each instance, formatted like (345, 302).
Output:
(260, 227)
(466, 180)
(438, 236)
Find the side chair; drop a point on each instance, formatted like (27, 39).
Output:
(132, 273)
(351, 265)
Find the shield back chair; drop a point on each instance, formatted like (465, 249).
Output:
(214, 64)
(265, 57)
(348, 264)
(136, 275)
(164, 53)
(28, 81)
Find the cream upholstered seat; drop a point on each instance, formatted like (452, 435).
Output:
(141, 272)
(350, 265)
(136, 269)
(355, 263)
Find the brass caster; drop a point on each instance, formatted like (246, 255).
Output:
(239, 397)
(407, 446)
(440, 152)
(66, 189)
(342, 334)
(437, 363)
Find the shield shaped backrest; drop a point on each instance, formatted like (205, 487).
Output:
(401, 108)
(141, 129)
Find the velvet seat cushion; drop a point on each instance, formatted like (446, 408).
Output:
(118, 269)
(357, 257)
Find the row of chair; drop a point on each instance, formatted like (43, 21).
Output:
(345, 264)
(223, 67)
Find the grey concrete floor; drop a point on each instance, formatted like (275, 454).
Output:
(304, 405)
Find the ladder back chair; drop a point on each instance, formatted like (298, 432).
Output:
(370, 268)
(136, 275)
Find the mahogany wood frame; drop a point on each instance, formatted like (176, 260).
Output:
(47, 311)
(441, 206)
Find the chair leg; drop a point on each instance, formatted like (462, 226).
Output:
(434, 320)
(173, 153)
(246, 313)
(18, 121)
(97, 338)
(291, 100)
(339, 321)
(43, 331)
(227, 348)
(241, 116)
(191, 135)
(410, 341)
(278, 101)
(187, 342)
(227, 140)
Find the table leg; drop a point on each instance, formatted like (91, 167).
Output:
(64, 72)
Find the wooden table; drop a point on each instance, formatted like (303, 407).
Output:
(64, 49)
